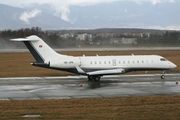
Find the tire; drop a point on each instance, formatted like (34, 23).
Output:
(90, 78)
(97, 78)
(162, 77)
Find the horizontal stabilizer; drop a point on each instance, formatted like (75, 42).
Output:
(22, 39)
(30, 38)
(106, 72)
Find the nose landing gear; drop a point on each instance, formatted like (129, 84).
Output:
(163, 76)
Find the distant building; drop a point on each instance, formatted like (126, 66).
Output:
(85, 36)
(145, 35)
(129, 40)
(66, 36)
(115, 41)
(123, 41)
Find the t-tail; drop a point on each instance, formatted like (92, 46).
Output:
(39, 49)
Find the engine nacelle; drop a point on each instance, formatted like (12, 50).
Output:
(68, 62)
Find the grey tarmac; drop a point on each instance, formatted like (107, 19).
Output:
(30, 88)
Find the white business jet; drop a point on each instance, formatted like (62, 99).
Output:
(94, 67)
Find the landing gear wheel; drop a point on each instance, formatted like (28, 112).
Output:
(90, 78)
(162, 76)
(97, 78)
(94, 78)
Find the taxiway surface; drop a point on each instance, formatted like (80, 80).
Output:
(78, 87)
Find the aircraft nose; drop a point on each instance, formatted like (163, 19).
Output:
(173, 65)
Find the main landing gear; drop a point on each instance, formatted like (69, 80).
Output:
(94, 78)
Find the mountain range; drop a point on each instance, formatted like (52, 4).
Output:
(125, 14)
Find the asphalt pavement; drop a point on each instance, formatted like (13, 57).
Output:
(79, 87)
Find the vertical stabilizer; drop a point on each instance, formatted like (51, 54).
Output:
(39, 49)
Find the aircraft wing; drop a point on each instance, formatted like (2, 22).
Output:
(101, 72)
(107, 72)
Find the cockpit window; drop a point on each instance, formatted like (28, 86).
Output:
(163, 59)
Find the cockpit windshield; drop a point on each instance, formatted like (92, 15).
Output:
(163, 59)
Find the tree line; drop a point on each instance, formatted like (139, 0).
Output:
(51, 38)
(168, 38)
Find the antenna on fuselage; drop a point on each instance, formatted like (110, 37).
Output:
(83, 55)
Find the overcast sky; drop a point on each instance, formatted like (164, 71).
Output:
(74, 2)
(62, 6)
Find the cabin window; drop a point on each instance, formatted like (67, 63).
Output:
(128, 61)
(104, 62)
(142, 61)
(124, 62)
(114, 62)
(138, 61)
(109, 62)
(99, 62)
(91, 62)
(133, 61)
(119, 62)
(95, 62)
